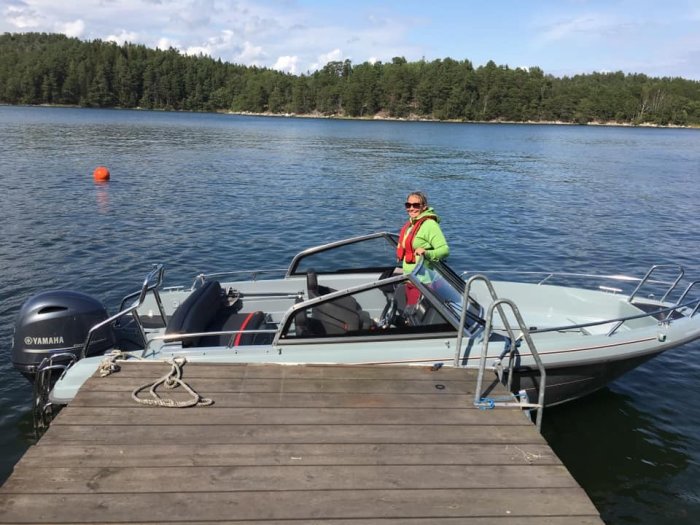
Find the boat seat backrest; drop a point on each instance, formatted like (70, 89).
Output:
(196, 312)
(338, 316)
(230, 320)
(315, 289)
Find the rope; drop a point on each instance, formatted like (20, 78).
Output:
(171, 380)
(109, 365)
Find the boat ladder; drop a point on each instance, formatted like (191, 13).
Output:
(43, 410)
(511, 351)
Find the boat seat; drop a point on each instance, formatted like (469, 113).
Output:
(336, 317)
(315, 289)
(228, 321)
(206, 309)
(197, 312)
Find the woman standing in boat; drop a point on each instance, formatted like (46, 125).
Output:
(421, 236)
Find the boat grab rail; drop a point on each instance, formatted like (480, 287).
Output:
(150, 284)
(619, 320)
(497, 305)
(202, 277)
(548, 276)
(655, 267)
(464, 312)
(167, 338)
(685, 293)
(511, 352)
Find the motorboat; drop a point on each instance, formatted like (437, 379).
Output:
(345, 303)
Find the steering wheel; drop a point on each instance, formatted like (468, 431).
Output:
(386, 319)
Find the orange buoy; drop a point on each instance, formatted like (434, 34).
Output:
(101, 174)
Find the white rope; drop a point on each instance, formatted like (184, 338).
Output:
(171, 380)
(109, 365)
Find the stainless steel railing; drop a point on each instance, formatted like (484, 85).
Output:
(497, 306)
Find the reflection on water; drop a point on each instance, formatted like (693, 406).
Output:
(204, 193)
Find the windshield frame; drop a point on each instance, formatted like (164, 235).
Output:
(391, 238)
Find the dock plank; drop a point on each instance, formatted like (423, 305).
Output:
(298, 505)
(290, 444)
(287, 416)
(168, 454)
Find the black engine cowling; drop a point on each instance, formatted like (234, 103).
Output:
(57, 322)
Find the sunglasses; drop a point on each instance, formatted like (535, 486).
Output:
(414, 205)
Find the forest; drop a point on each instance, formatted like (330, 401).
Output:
(40, 68)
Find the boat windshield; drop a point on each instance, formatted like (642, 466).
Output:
(447, 288)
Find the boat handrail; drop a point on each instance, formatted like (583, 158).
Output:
(202, 277)
(685, 293)
(390, 237)
(548, 276)
(511, 350)
(167, 338)
(619, 320)
(463, 315)
(655, 267)
(150, 284)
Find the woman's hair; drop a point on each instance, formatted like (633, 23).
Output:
(422, 196)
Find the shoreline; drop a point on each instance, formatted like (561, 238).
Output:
(380, 117)
(415, 118)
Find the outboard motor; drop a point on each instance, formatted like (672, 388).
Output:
(58, 322)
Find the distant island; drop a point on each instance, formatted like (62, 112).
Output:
(40, 68)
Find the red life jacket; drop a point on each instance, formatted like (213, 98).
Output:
(404, 250)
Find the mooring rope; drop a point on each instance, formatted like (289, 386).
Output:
(171, 380)
(109, 365)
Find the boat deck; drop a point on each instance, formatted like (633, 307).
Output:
(291, 444)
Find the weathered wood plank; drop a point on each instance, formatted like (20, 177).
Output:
(278, 478)
(287, 399)
(298, 385)
(464, 520)
(222, 434)
(168, 454)
(213, 415)
(297, 505)
(147, 368)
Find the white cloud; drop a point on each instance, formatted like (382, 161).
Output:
(123, 36)
(166, 43)
(21, 18)
(74, 29)
(288, 64)
(250, 54)
(198, 50)
(331, 56)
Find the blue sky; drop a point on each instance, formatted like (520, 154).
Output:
(564, 37)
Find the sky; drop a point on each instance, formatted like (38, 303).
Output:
(562, 37)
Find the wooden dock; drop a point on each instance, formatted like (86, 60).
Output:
(334, 445)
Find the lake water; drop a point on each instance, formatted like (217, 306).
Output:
(218, 192)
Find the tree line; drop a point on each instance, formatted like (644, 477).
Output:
(40, 68)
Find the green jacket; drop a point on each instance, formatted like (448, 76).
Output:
(429, 237)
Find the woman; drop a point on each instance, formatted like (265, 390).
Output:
(421, 236)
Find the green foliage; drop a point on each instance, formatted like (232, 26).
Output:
(40, 68)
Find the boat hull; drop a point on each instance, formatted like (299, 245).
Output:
(567, 383)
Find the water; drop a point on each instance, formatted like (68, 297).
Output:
(219, 192)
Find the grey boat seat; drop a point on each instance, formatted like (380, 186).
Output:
(206, 309)
(336, 317)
